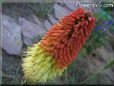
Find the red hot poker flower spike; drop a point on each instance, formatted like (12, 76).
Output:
(65, 39)
(58, 48)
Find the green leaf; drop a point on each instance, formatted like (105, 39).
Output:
(109, 65)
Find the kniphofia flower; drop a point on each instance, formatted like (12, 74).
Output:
(49, 58)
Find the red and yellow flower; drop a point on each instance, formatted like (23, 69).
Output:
(58, 48)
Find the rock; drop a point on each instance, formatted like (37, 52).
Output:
(71, 4)
(30, 31)
(47, 24)
(60, 11)
(11, 36)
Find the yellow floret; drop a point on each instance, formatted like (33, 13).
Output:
(38, 66)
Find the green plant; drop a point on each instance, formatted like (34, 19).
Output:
(97, 39)
(93, 76)
(41, 9)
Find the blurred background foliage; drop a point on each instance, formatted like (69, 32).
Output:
(100, 36)
(41, 9)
